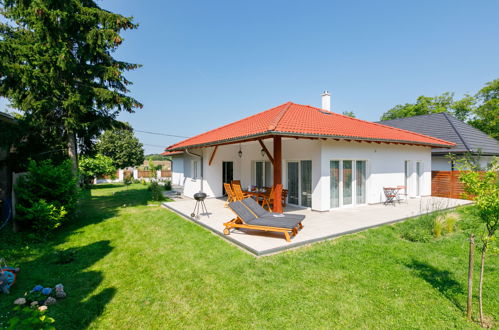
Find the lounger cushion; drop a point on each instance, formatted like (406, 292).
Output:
(273, 222)
(242, 211)
(261, 212)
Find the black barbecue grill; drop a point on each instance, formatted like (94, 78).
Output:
(200, 206)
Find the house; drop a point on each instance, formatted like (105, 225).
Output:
(5, 172)
(445, 126)
(325, 160)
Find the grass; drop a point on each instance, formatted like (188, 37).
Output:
(127, 264)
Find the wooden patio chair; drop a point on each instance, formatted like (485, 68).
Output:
(238, 192)
(268, 200)
(231, 197)
(233, 182)
(246, 219)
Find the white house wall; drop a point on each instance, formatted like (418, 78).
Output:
(178, 170)
(385, 166)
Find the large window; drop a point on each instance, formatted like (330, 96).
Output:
(360, 179)
(348, 182)
(300, 182)
(334, 168)
(262, 176)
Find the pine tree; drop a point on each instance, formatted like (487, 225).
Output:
(56, 65)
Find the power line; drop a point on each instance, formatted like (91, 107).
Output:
(155, 133)
(154, 145)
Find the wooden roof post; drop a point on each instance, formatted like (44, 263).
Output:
(277, 174)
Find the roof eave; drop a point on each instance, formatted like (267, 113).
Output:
(305, 135)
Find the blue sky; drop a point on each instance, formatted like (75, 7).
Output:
(207, 63)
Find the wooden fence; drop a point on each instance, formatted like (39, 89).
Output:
(166, 174)
(446, 184)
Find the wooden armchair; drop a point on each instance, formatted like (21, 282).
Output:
(268, 200)
(238, 192)
(231, 196)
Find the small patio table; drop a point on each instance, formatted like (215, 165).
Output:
(257, 194)
(392, 195)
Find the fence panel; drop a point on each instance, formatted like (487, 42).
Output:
(166, 174)
(446, 184)
(144, 174)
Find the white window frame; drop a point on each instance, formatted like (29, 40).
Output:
(354, 182)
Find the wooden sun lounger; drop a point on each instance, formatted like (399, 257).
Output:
(270, 222)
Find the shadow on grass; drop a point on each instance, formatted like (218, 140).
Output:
(442, 280)
(45, 264)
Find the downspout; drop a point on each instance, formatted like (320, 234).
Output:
(201, 159)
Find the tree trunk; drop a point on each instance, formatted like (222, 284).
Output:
(480, 285)
(470, 277)
(72, 152)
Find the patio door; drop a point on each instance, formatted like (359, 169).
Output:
(293, 183)
(334, 168)
(227, 174)
(419, 177)
(347, 182)
(300, 183)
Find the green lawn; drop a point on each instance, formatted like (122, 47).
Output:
(140, 266)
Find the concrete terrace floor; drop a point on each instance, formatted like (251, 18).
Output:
(318, 226)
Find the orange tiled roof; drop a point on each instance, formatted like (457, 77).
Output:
(171, 153)
(291, 119)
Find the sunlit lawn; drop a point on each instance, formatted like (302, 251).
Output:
(139, 266)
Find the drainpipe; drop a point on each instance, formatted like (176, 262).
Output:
(201, 160)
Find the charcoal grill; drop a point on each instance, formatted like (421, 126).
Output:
(200, 206)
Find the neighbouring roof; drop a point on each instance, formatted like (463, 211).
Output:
(172, 153)
(6, 117)
(291, 119)
(445, 126)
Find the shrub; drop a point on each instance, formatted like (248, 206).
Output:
(450, 222)
(156, 191)
(438, 225)
(416, 235)
(127, 180)
(98, 166)
(168, 185)
(30, 318)
(46, 195)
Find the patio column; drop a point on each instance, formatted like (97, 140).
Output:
(277, 174)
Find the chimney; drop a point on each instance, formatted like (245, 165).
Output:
(326, 101)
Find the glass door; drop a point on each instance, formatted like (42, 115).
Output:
(227, 174)
(293, 184)
(360, 180)
(419, 174)
(347, 182)
(306, 183)
(334, 168)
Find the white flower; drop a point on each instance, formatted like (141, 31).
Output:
(42, 308)
(19, 301)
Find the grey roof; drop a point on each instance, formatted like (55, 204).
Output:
(446, 127)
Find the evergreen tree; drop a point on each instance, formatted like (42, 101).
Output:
(56, 66)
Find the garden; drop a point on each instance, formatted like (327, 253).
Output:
(128, 262)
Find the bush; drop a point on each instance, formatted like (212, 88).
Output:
(156, 191)
(127, 180)
(450, 222)
(30, 318)
(96, 167)
(438, 225)
(168, 185)
(46, 195)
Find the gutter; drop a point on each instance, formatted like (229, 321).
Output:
(201, 160)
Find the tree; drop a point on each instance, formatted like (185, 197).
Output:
(480, 111)
(349, 114)
(483, 188)
(122, 147)
(95, 167)
(487, 113)
(57, 66)
(424, 106)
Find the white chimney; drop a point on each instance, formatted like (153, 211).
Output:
(326, 101)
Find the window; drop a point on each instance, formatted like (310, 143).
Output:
(195, 169)
(262, 174)
(360, 179)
